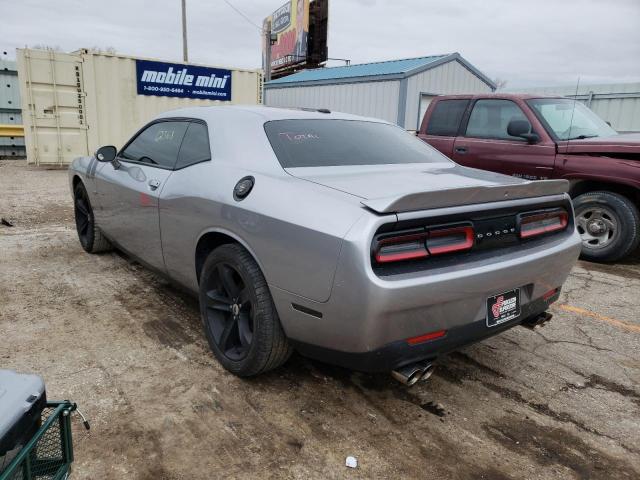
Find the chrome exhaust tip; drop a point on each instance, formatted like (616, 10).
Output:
(410, 374)
(426, 374)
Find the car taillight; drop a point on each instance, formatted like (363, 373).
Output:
(450, 240)
(538, 223)
(422, 244)
(401, 247)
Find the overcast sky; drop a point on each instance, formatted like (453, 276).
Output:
(527, 43)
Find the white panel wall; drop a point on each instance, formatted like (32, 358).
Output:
(447, 79)
(623, 112)
(371, 99)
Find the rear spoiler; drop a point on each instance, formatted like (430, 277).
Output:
(454, 197)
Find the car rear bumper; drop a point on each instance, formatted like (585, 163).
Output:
(399, 353)
(367, 320)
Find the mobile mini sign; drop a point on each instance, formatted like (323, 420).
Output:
(178, 80)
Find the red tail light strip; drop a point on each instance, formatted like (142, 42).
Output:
(450, 240)
(427, 337)
(403, 247)
(540, 223)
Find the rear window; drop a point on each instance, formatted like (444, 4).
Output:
(446, 117)
(326, 143)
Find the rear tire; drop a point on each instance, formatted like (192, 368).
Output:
(240, 320)
(89, 234)
(609, 225)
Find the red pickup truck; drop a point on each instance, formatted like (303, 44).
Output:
(535, 138)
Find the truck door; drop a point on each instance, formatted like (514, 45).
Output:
(128, 196)
(485, 143)
(442, 122)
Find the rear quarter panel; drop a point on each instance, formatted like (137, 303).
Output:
(293, 228)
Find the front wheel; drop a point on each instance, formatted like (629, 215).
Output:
(240, 319)
(609, 225)
(89, 234)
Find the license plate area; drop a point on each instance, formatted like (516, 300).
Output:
(503, 307)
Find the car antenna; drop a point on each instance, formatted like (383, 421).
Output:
(575, 99)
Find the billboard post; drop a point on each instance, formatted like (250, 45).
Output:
(267, 52)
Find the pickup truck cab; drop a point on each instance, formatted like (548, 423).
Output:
(536, 137)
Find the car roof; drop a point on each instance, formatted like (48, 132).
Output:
(499, 95)
(260, 113)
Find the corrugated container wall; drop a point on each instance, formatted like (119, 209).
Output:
(10, 114)
(617, 103)
(74, 103)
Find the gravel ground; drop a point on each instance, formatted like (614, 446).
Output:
(559, 402)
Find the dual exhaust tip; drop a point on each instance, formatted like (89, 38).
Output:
(413, 373)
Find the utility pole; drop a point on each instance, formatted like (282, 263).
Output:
(185, 55)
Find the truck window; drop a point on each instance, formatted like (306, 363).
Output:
(446, 116)
(489, 119)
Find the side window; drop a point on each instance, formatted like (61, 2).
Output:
(490, 118)
(195, 146)
(446, 117)
(157, 145)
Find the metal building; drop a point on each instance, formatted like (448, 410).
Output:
(74, 103)
(11, 131)
(617, 103)
(397, 90)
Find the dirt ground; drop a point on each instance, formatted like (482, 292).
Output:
(556, 403)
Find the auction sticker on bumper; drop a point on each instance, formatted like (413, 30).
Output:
(502, 308)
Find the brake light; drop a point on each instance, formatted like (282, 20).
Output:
(535, 224)
(549, 294)
(450, 240)
(427, 337)
(419, 244)
(401, 247)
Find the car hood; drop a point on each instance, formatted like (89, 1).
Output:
(623, 143)
(398, 188)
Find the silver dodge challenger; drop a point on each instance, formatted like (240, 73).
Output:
(342, 237)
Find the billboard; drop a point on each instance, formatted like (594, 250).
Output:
(290, 23)
(163, 79)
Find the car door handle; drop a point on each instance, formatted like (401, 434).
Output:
(153, 184)
(461, 150)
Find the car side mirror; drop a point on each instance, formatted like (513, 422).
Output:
(106, 154)
(522, 129)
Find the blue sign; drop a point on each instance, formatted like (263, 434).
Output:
(179, 80)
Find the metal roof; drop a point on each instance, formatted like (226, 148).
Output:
(391, 67)
(388, 70)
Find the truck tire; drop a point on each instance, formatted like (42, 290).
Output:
(240, 319)
(609, 225)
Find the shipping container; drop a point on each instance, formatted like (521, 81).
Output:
(74, 103)
(11, 145)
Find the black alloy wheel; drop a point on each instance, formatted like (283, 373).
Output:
(240, 319)
(90, 236)
(229, 311)
(84, 217)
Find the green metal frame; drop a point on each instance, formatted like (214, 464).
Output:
(27, 461)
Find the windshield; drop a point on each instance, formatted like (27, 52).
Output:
(325, 143)
(567, 122)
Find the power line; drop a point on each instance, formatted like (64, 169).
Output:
(239, 12)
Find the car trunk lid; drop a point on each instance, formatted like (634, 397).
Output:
(401, 188)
